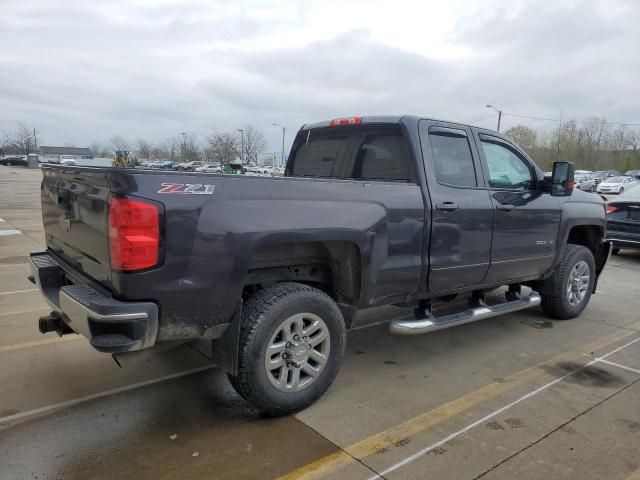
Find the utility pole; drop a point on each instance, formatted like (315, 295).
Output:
(184, 145)
(35, 140)
(559, 134)
(499, 115)
(241, 145)
(283, 130)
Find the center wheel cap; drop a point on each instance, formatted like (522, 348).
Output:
(299, 353)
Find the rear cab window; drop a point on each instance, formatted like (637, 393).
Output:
(371, 152)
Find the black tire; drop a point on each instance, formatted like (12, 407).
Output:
(262, 317)
(621, 191)
(555, 300)
(615, 251)
(592, 189)
(8, 164)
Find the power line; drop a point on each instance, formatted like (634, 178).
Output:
(483, 118)
(566, 121)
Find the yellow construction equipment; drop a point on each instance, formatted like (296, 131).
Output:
(122, 159)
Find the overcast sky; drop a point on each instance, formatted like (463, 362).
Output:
(82, 71)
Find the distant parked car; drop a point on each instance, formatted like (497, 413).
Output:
(586, 182)
(210, 168)
(583, 172)
(165, 165)
(67, 160)
(623, 221)
(633, 173)
(266, 170)
(616, 184)
(14, 160)
(190, 166)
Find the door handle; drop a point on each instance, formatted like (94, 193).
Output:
(506, 208)
(447, 206)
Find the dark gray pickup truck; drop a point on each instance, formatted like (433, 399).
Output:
(264, 275)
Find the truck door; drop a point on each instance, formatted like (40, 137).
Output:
(462, 213)
(526, 221)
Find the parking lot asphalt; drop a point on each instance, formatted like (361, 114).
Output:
(516, 396)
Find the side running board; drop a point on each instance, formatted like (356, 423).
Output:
(432, 323)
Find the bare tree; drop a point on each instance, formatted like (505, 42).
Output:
(524, 136)
(145, 149)
(23, 139)
(254, 144)
(99, 150)
(223, 147)
(5, 144)
(118, 142)
(170, 149)
(190, 148)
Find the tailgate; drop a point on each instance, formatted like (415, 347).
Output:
(74, 213)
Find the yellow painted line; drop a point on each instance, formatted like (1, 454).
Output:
(37, 343)
(364, 448)
(634, 476)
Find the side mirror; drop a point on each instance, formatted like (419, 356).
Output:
(562, 181)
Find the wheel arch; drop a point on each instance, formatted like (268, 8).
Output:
(334, 266)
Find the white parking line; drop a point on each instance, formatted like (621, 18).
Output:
(439, 443)
(106, 393)
(6, 233)
(19, 291)
(624, 367)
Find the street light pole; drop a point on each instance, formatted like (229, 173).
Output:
(241, 145)
(184, 145)
(283, 130)
(499, 114)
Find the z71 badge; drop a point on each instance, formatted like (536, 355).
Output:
(187, 188)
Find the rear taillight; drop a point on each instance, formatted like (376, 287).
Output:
(134, 234)
(342, 122)
(611, 209)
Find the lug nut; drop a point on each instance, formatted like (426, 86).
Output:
(289, 344)
(296, 337)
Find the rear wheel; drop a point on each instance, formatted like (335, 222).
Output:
(615, 251)
(291, 345)
(568, 290)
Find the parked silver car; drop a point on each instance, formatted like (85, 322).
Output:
(587, 182)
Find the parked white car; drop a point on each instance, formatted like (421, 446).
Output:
(67, 160)
(210, 168)
(616, 184)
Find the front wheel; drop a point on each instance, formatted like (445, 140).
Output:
(621, 190)
(568, 290)
(291, 346)
(592, 189)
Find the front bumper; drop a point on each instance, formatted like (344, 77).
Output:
(111, 325)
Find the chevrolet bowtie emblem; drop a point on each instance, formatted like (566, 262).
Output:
(64, 223)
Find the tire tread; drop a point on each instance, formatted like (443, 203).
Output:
(253, 310)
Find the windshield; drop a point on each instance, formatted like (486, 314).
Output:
(616, 179)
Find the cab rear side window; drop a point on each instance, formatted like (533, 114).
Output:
(319, 156)
(381, 157)
(452, 160)
(376, 153)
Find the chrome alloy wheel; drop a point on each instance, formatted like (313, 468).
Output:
(578, 283)
(297, 352)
